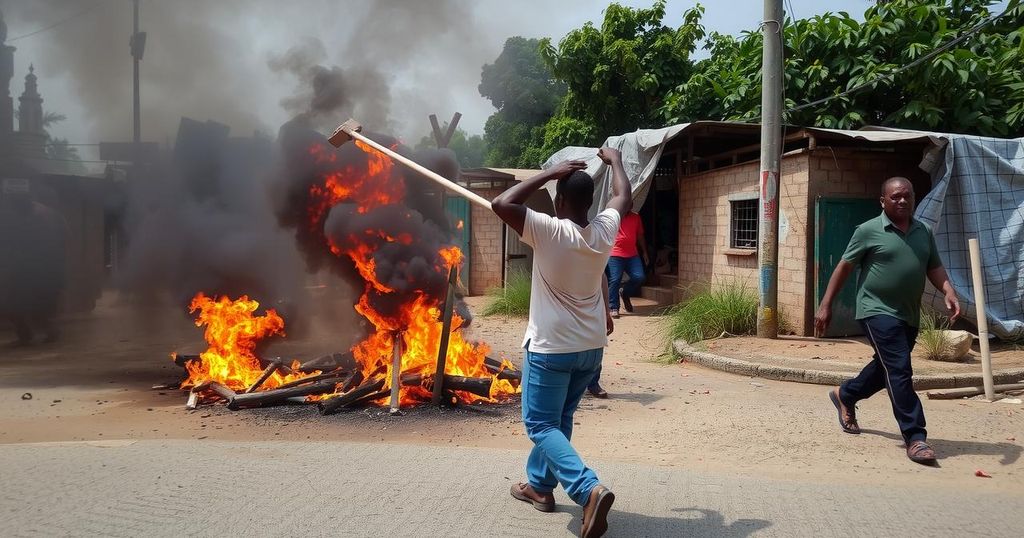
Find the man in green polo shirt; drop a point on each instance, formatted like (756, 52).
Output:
(895, 252)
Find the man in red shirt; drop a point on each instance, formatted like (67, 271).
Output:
(629, 255)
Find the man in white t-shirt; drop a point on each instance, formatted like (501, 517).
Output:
(568, 328)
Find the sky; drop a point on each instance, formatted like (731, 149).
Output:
(242, 62)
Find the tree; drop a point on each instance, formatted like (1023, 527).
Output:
(520, 85)
(617, 76)
(976, 86)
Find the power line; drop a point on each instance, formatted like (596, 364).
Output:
(948, 45)
(54, 25)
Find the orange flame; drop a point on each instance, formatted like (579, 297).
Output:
(232, 332)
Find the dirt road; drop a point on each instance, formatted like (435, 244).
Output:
(95, 385)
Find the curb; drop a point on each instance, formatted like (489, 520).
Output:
(822, 377)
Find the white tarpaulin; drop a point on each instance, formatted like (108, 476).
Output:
(977, 191)
(641, 151)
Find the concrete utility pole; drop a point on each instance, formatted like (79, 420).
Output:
(771, 155)
(138, 47)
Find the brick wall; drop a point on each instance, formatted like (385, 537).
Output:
(485, 252)
(704, 220)
(704, 224)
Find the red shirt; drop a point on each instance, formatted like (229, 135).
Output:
(629, 231)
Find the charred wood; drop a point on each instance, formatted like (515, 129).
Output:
(278, 396)
(334, 404)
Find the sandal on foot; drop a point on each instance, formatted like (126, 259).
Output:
(847, 415)
(919, 452)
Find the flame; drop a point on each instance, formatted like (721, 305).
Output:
(417, 322)
(232, 332)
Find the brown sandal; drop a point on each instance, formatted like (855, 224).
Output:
(919, 452)
(847, 415)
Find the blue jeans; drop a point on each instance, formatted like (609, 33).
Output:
(553, 384)
(634, 267)
(892, 340)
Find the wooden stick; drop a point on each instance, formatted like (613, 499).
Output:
(979, 301)
(267, 372)
(222, 391)
(278, 396)
(446, 327)
(334, 404)
(339, 374)
(481, 386)
(494, 366)
(351, 130)
(396, 373)
(966, 392)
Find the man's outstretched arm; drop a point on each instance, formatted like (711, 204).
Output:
(824, 315)
(622, 194)
(510, 206)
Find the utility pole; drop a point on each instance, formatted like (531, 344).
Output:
(771, 155)
(138, 47)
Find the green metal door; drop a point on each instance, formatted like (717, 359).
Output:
(835, 220)
(457, 209)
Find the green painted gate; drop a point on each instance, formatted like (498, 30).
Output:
(457, 209)
(835, 220)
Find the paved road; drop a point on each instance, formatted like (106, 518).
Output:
(207, 488)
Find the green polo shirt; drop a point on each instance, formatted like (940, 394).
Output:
(893, 267)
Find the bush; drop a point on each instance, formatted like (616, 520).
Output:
(513, 299)
(932, 337)
(729, 308)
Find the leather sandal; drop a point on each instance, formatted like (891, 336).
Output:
(919, 452)
(847, 415)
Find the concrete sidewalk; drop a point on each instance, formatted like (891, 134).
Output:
(825, 372)
(207, 488)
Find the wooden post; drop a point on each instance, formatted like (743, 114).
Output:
(446, 327)
(396, 373)
(979, 300)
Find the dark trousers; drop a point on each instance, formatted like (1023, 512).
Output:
(892, 340)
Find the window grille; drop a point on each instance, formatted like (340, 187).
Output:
(743, 229)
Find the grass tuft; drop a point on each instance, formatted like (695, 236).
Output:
(729, 308)
(932, 337)
(511, 300)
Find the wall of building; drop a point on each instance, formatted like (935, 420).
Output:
(485, 251)
(704, 224)
(705, 256)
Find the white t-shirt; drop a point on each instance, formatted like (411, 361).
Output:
(567, 310)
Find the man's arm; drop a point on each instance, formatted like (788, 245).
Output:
(938, 277)
(622, 195)
(510, 206)
(824, 315)
(609, 324)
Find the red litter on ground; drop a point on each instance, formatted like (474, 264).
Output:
(982, 474)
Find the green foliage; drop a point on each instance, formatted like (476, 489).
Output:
(932, 336)
(513, 299)
(469, 150)
(728, 308)
(618, 75)
(975, 87)
(522, 88)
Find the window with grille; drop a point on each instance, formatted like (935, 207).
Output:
(743, 217)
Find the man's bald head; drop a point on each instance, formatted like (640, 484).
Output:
(897, 181)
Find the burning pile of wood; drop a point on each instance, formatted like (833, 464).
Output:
(335, 382)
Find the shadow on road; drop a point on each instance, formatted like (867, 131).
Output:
(946, 448)
(691, 522)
